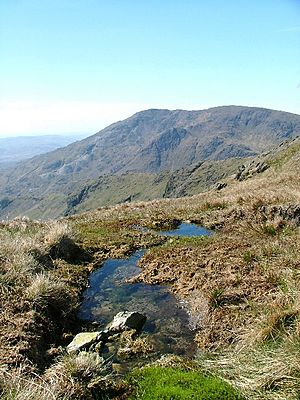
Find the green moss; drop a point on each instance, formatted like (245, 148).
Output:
(175, 384)
(92, 230)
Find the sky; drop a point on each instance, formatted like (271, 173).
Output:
(75, 66)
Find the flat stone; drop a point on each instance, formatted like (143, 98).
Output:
(83, 340)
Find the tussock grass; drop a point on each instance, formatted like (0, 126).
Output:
(269, 372)
(16, 385)
(36, 301)
(47, 294)
(82, 365)
(56, 231)
(82, 376)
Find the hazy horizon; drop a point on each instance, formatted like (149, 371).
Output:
(25, 135)
(83, 135)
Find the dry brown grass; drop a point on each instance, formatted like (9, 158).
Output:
(82, 376)
(47, 294)
(17, 385)
(269, 372)
(35, 300)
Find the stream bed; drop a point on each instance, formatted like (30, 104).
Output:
(167, 321)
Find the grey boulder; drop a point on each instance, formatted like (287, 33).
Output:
(126, 320)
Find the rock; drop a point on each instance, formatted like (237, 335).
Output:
(127, 320)
(289, 212)
(246, 171)
(94, 341)
(83, 340)
(220, 185)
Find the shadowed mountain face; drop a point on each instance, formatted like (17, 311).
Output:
(152, 141)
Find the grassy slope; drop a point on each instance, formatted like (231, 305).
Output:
(242, 284)
(112, 189)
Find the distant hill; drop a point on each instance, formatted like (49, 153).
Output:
(15, 149)
(154, 153)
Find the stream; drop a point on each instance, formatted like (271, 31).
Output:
(108, 293)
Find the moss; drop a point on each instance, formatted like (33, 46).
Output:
(153, 383)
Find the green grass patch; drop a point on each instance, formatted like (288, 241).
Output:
(269, 229)
(279, 160)
(249, 257)
(184, 241)
(96, 234)
(216, 297)
(216, 205)
(160, 383)
(92, 230)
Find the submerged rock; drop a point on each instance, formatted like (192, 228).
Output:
(127, 320)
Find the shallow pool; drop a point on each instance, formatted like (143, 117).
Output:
(108, 293)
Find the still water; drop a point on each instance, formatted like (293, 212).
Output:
(108, 293)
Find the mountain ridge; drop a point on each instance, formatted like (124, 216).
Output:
(152, 141)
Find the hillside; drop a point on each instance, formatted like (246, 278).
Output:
(150, 142)
(115, 189)
(240, 285)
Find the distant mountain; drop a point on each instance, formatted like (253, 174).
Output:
(15, 149)
(155, 143)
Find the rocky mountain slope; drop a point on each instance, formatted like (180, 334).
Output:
(150, 142)
(114, 189)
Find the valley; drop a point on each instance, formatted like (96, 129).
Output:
(19, 148)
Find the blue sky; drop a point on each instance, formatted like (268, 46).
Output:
(77, 65)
